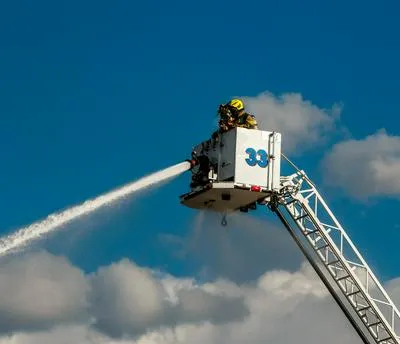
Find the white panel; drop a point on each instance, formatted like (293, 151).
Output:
(226, 166)
(253, 148)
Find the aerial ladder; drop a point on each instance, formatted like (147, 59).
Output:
(240, 170)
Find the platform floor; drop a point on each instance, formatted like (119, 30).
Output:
(221, 197)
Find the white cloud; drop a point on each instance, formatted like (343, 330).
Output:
(128, 301)
(125, 298)
(40, 290)
(302, 124)
(281, 306)
(79, 334)
(284, 307)
(366, 167)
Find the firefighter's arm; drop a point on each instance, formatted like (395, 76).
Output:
(226, 125)
(226, 119)
(251, 122)
(222, 126)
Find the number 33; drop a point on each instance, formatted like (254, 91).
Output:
(252, 159)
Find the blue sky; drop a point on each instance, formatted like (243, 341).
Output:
(94, 95)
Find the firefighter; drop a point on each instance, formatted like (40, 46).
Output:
(233, 115)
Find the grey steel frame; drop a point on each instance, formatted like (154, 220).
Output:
(336, 260)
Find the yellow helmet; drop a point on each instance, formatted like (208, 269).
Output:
(237, 104)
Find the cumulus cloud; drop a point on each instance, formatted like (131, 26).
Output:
(365, 168)
(283, 305)
(155, 308)
(128, 301)
(125, 298)
(302, 124)
(64, 334)
(40, 290)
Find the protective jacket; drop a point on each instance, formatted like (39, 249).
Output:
(246, 121)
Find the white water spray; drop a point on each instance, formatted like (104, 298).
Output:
(36, 230)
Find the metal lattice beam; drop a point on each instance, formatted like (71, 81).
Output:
(351, 278)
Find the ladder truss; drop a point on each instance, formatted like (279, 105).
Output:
(340, 266)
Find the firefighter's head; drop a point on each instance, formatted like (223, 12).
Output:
(237, 106)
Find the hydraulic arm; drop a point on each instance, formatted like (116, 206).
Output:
(336, 260)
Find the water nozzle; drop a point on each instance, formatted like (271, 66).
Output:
(192, 162)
